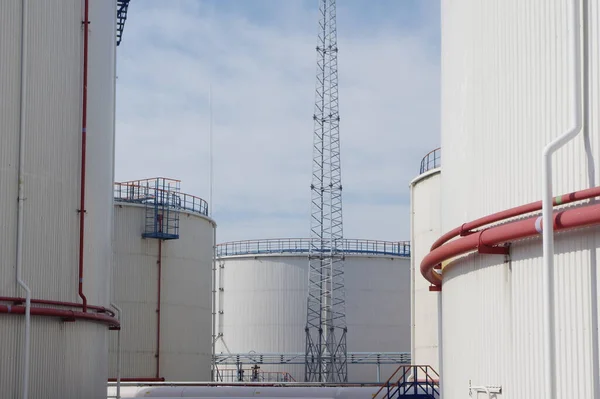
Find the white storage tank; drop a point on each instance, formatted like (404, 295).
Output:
(42, 55)
(262, 298)
(162, 281)
(509, 89)
(426, 223)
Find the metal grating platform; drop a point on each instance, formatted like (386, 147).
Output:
(162, 200)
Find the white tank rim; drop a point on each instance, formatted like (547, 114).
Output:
(247, 392)
(240, 392)
(425, 175)
(182, 211)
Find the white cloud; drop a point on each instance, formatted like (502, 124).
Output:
(262, 74)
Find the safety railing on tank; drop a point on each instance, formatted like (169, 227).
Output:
(432, 160)
(141, 192)
(299, 358)
(304, 245)
(252, 375)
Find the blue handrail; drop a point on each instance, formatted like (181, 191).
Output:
(304, 245)
(141, 193)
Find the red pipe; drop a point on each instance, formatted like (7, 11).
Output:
(141, 379)
(466, 228)
(159, 263)
(66, 315)
(488, 239)
(18, 301)
(86, 22)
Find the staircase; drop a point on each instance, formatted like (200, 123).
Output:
(411, 381)
(163, 206)
(121, 17)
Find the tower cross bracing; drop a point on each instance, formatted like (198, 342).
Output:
(326, 353)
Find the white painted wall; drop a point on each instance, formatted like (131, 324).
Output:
(185, 353)
(426, 202)
(60, 352)
(506, 93)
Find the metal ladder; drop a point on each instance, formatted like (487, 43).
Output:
(163, 206)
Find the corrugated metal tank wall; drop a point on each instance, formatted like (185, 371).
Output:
(186, 295)
(60, 352)
(426, 202)
(506, 93)
(264, 307)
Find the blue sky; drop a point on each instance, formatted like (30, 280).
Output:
(259, 57)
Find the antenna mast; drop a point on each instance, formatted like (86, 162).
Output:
(210, 133)
(325, 357)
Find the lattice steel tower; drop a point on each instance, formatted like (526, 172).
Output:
(326, 308)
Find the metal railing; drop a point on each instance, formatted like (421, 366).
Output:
(299, 358)
(303, 245)
(253, 375)
(241, 360)
(432, 160)
(411, 381)
(140, 192)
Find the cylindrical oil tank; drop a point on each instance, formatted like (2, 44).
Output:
(508, 91)
(262, 291)
(426, 227)
(162, 281)
(41, 89)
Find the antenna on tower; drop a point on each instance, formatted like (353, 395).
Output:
(325, 357)
(210, 150)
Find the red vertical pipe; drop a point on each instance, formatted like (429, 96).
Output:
(86, 22)
(159, 263)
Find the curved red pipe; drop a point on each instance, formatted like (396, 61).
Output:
(466, 228)
(487, 240)
(65, 315)
(86, 22)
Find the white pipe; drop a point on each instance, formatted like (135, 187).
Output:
(169, 390)
(114, 305)
(118, 309)
(21, 199)
(412, 277)
(586, 97)
(591, 183)
(547, 225)
(440, 341)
